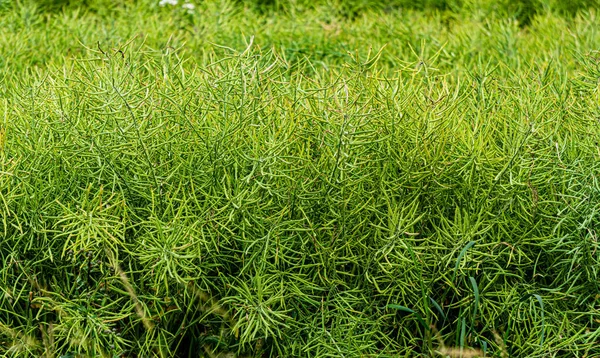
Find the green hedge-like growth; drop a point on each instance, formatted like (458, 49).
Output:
(223, 181)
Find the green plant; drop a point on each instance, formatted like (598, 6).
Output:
(228, 182)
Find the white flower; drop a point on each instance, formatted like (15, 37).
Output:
(188, 6)
(167, 2)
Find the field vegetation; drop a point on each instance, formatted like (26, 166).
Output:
(300, 179)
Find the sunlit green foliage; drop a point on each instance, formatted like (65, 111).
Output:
(266, 180)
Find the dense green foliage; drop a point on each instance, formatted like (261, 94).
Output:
(300, 179)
